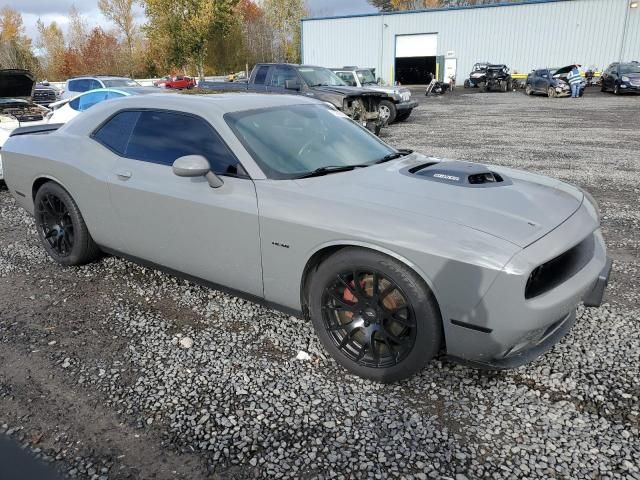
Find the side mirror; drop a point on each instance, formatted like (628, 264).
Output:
(191, 166)
(292, 85)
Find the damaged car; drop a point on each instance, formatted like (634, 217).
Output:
(361, 105)
(397, 104)
(551, 82)
(17, 108)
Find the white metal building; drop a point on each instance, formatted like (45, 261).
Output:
(404, 46)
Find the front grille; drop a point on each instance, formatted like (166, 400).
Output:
(560, 269)
(44, 96)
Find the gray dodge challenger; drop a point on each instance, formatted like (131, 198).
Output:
(395, 257)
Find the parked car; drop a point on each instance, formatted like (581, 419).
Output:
(44, 94)
(621, 78)
(282, 199)
(396, 105)
(320, 83)
(17, 107)
(64, 110)
(178, 82)
(551, 82)
(77, 85)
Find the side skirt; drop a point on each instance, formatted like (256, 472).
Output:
(205, 283)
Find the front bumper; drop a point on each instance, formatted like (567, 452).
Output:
(505, 329)
(629, 87)
(404, 106)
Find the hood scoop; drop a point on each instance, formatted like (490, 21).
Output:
(462, 174)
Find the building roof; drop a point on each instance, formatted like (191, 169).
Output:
(440, 9)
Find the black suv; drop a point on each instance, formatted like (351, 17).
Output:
(621, 78)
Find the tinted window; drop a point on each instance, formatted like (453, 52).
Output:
(80, 85)
(116, 132)
(280, 76)
(163, 137)
(261, 75)
(90, 99)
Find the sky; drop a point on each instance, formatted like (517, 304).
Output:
(49, 10)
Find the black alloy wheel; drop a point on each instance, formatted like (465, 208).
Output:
(56, 226)
(61, 228)
(369, 319)
(374, 315)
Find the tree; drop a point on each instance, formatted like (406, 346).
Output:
(77, 30)
(12, 28)
(15, 45)
(184, 26)
(51, 43)
(120, 12)
(100, 53)
(284, 18)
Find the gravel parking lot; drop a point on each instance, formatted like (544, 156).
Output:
(114, 371)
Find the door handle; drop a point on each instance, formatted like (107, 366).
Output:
(123, 174)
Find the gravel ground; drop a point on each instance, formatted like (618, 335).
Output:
(114, 371)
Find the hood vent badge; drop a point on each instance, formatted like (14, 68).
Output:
(461, 174)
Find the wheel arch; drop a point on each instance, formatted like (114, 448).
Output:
(41, 180)
(324, 251)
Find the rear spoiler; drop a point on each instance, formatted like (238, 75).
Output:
(37, 129)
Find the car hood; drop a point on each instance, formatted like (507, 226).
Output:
(16, 84)
(347, 91)
(524, 209)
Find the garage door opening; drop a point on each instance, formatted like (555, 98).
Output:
(415, 70)
(415, 58)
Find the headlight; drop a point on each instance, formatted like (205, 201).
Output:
(625, 78)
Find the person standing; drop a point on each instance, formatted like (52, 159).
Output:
(575, 81)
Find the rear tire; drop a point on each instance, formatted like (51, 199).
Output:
(375, 316)
(467, 84)
(61, 228)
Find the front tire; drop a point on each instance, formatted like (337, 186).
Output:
(528, 90)
(61, 228)
(375, 316)
(388, 111)
(551, 92)
(616, 89)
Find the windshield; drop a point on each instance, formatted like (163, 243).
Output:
(120, 82)
(320, 77)
(631, 68)
(366, 77)
(292, 141)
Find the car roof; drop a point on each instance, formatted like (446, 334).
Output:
(220, 103)
(99, 77)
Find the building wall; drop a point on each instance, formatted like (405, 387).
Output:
(526, 36)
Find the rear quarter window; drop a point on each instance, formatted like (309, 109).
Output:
(116, 132)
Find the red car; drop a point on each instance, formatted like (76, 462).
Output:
(179, 82)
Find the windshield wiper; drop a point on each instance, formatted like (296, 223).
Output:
(329, 169)
(403, 152)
